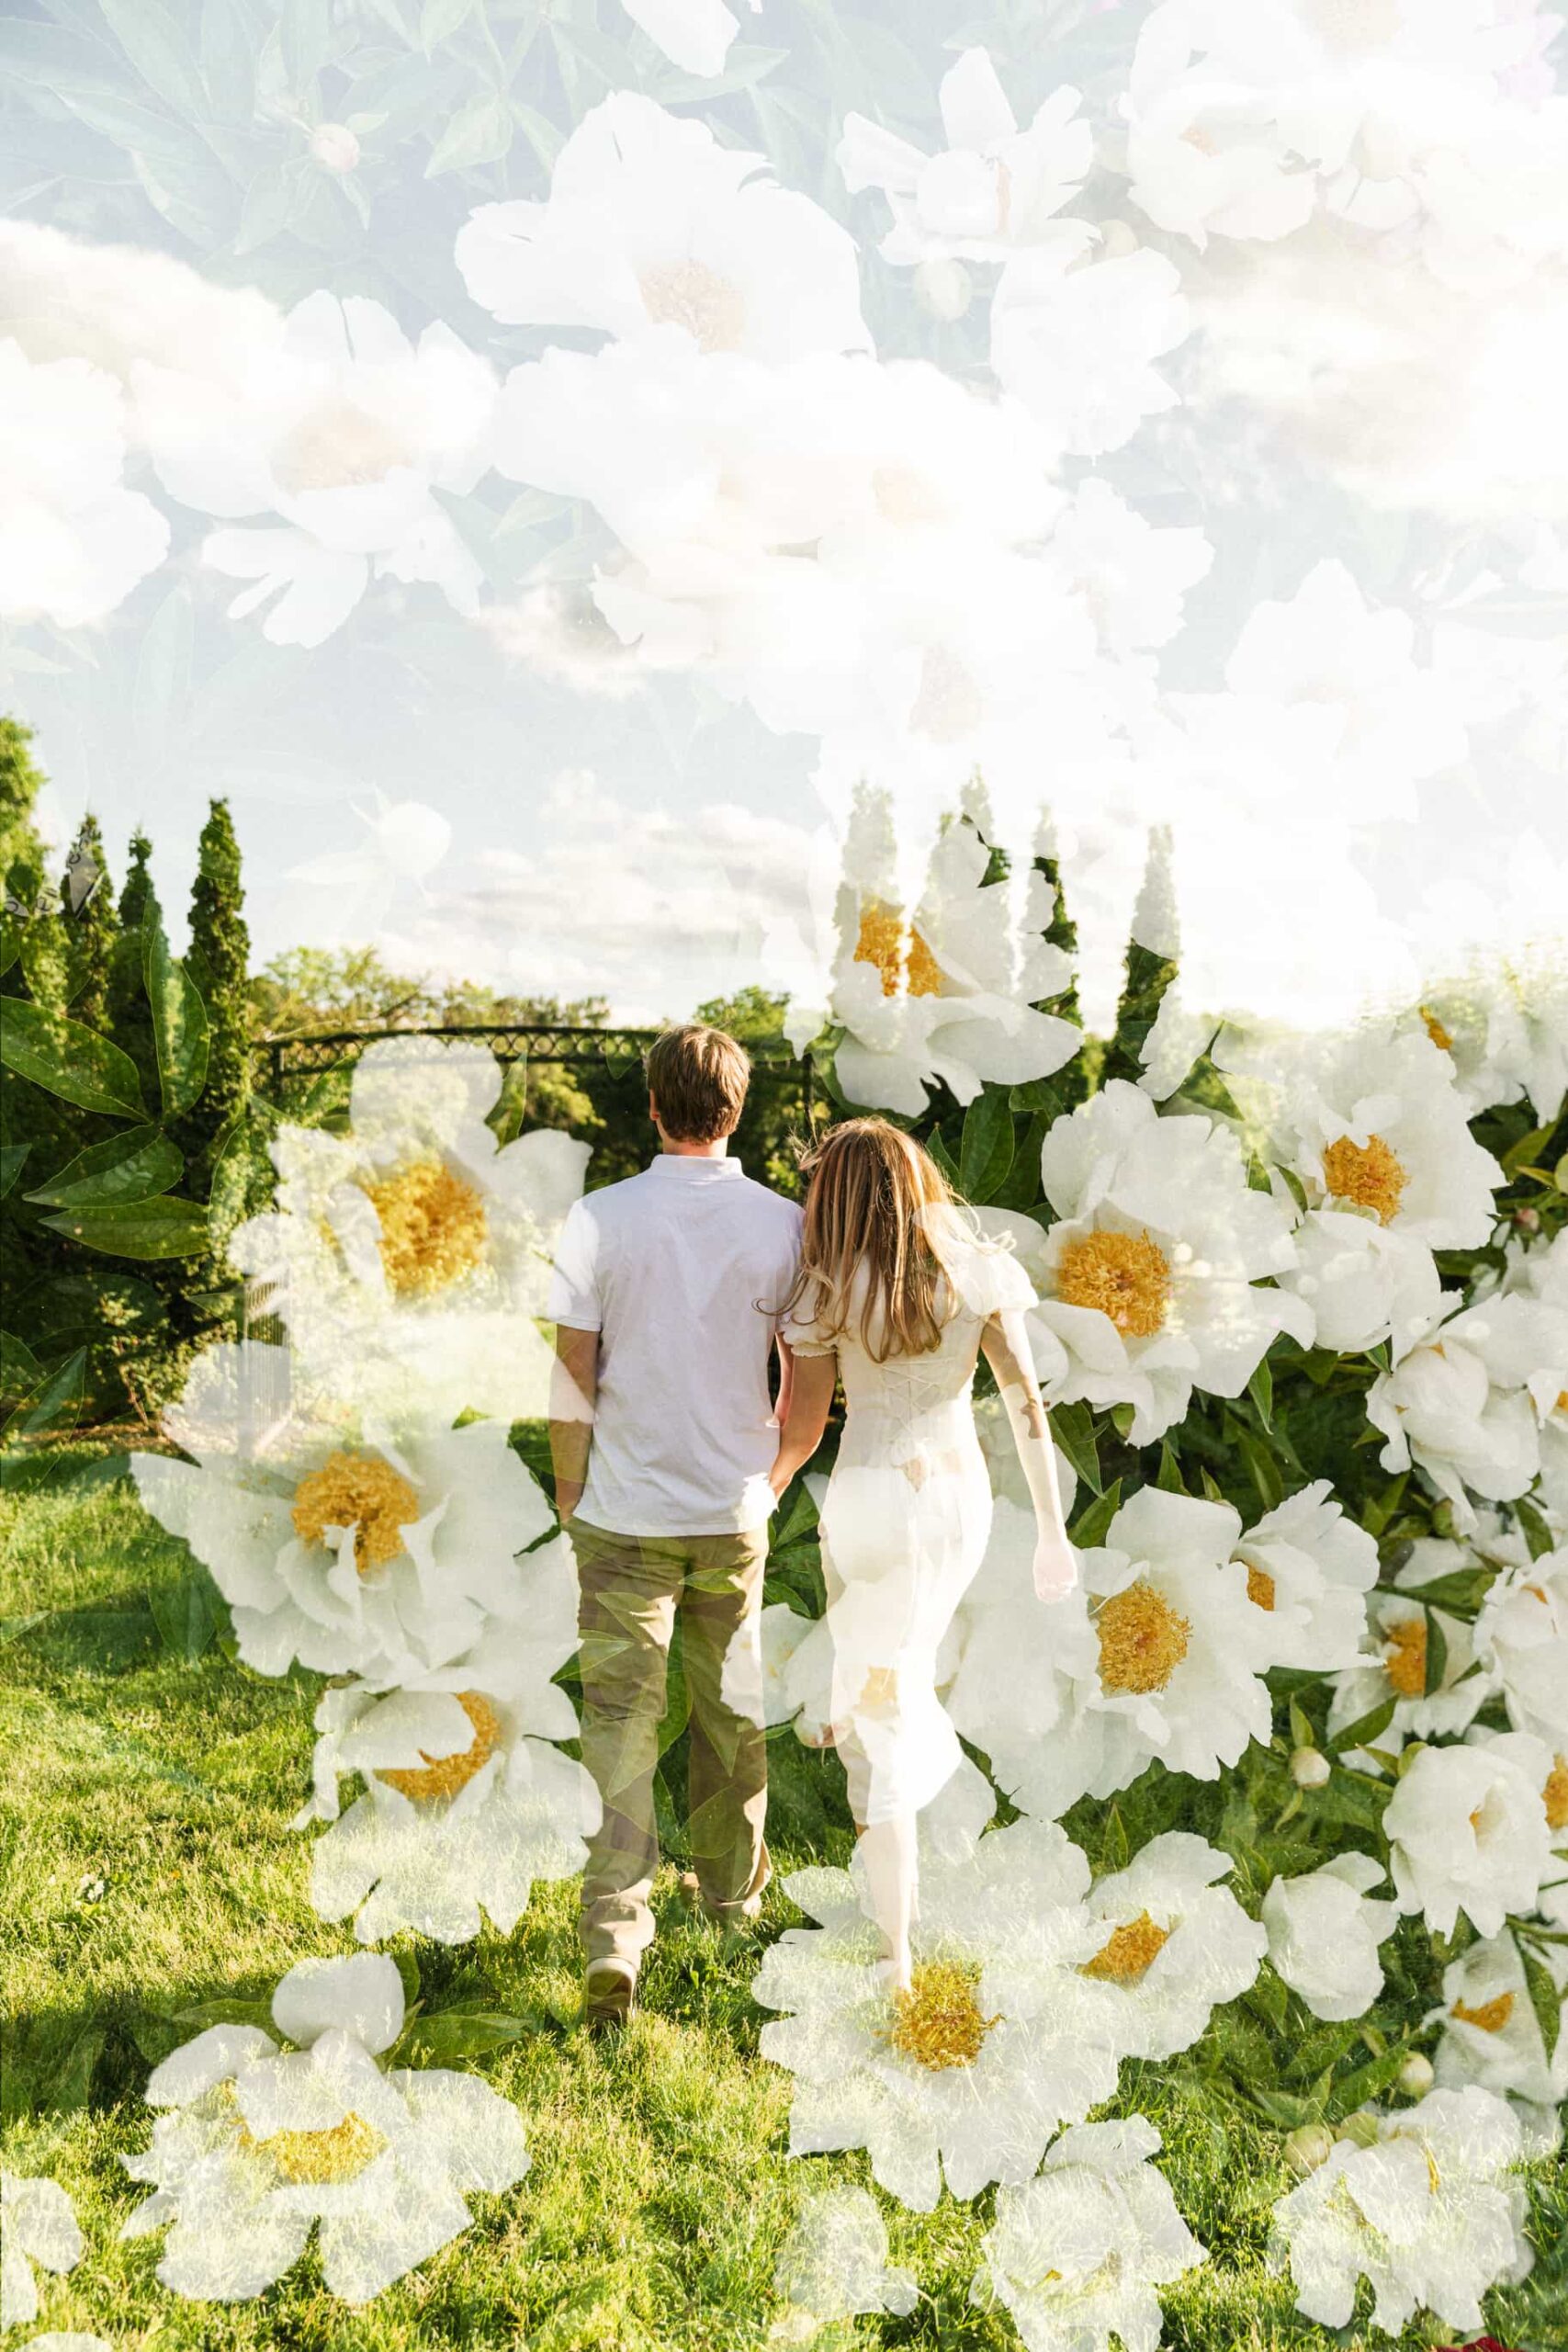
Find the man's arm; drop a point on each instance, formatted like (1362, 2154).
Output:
(574, 1389)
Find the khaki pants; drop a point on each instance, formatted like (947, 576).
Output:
(632, 1587)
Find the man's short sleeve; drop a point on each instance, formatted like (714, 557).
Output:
(573, 1294)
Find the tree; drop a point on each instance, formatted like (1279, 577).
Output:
(129, 1020)
(21, 852)
(92, 926)
(218, 962)
(772, 1126)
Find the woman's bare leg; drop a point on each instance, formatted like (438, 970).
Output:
(887, 1849)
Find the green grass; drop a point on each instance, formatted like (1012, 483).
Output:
(660, 2188)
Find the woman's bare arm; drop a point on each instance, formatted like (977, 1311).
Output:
(1005, 1342)
(806, 1399)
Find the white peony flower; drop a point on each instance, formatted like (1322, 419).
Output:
(411, 1256)
(263, 2143)
(342, 433)
(1131, 575)
(1466, 1832)
(1397, 1654)
(1176, 1945)
(1077, 2252)
(1076, 339)
(74, 540)
(1491, 2035)
(693, 34)
(1460, 1403)
(466, 1802)
(1522, 1634)
(1545, 1769)
(834, 2264)
(1205, 155)
(1536, 1272)
(1159, 1655)
(943, 997)
(1504, 1026)
(350, 1552)
(1149, 1280)
(997, 2043)
(1309, 1567)
(39, 2226)
(1362, 1283)
(1324, 1935)
(1426, 2214)
(993, 190)
(651, 223)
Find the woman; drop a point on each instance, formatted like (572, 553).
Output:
(897, 1295)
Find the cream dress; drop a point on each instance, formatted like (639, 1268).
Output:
(905, 1524)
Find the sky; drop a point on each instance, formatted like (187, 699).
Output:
(1234, 501)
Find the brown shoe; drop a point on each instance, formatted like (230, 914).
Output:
(731, 1915)
(609, 1995)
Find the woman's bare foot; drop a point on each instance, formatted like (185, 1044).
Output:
(824, 1736)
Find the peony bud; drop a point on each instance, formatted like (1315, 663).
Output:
(942, 288)
(1361, 2127)
(1310, 1767)
(1415, 2076)
(334, 147)
(1309, 2146)
(1528, 1219)
(1118, 238)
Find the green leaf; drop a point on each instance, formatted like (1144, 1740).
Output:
(1286, 2108)
(1518, 1154)
(1366, 1728)
(10, 941)
(1437, 1653)
(179, 1025)
(20, 1370)
(154, 42)
(133, 1166)
(1092, 1524)
(944, 1157)
(13, 1158)
(1169, 1478)
(227, 2009)
(187, 1614)
(55, 1405)
(1261, 1465)
(1301, 1732)
(798, 1522)
(1071, 1426)
(480, 132)
(167, 1226)
(1036, 1094)
(439, 19)
(448, 2036)
(1545, 1998)
(1538, 1534)
(67, 1060)
(1261, 1389)
(305, 32)
(1364, 2083)
(985, 1154)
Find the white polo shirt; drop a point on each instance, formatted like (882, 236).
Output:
(680, 1270)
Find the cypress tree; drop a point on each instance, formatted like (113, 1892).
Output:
(21, 852)
(219, 963)
(129, 1020)
(93, 931)
(1151, 962)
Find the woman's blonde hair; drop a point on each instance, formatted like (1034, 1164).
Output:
(878, 1200)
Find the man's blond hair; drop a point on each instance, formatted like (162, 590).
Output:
(698, 1077)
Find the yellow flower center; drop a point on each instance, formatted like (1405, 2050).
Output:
(1405, 1657)
(336, 445)
(689, 294)
(433, 1226)
(1555, 1794)
(342, 2153)
(1259, 1588)
(441, 1777)
(1350, 27)
(904, 496)
(1439, 1035)
(1143, 1639)
(1132, 1948)
(938, 2022)
(901, 957)
(949, 705)
(1369, 1174)
(361, 1491)
(1490, 2017)
(1125, 1275)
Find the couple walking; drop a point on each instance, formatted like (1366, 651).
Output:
(671, 1294)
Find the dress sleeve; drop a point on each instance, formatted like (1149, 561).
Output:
(573, 1294)
(801, 1331)
(990, 1280)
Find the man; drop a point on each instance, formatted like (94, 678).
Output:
(663, 1439)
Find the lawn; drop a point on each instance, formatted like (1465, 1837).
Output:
(150, 1868)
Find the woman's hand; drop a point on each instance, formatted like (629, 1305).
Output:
(1056, 1567)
